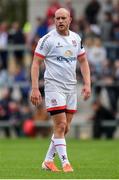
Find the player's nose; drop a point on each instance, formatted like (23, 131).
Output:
(60, 20)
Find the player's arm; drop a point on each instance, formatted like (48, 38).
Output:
(35, 96)
(39, 55)
(85, 71)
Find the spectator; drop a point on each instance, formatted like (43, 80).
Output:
(108, 7)
(15, 117)
(88, 32)
(26, 111)
(115, 29)
(106, 27)
(102, 115)
(97, 56)
(96, 29)
(16, 37)
(4, 109)
(116, 71)
(116, 77)
(27, 32)
(68, 5)
(20, 77)
(53, 6)
(3, 45)
(3, 77)
(105, 81)
(91, 11)
(116, 8)
(82, 25)
(42, 28)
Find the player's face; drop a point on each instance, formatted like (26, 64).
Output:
(62, 22)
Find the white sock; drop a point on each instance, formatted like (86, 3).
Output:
(60, 145)
(51, 151)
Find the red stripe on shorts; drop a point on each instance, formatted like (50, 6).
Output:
(71, 111)
(56, 108)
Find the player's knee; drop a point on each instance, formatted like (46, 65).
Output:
(61, 126)
(67, 129)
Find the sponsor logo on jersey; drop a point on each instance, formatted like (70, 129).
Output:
(67, 57)
(53, 102)
(43, 42)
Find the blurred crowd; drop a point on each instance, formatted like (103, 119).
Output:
(98, 27)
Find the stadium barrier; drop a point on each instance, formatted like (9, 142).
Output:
(112, 49)
(75, 125)
(11, 48)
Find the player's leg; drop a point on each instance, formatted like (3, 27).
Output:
(59, 127)
(56, 105)
(60, 123)
(69, 117)
(54, 102)
(71, 109)
(51, 150)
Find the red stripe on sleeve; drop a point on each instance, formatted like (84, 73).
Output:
(39, 55)
(81, 54)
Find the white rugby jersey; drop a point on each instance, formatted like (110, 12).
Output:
(60, 54)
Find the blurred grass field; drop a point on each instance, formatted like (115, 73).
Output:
(22, 158)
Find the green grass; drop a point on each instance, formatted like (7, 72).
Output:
(22, 158)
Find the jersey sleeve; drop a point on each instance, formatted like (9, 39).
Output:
(42, 47)
(81, 50)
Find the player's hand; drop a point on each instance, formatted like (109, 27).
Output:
(35, 97)
(86, 91)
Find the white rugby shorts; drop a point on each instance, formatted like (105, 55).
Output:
(61, 101)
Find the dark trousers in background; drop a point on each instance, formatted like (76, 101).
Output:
(3, 59)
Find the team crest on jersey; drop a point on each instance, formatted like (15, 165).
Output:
(53, 102)
(74, 43)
